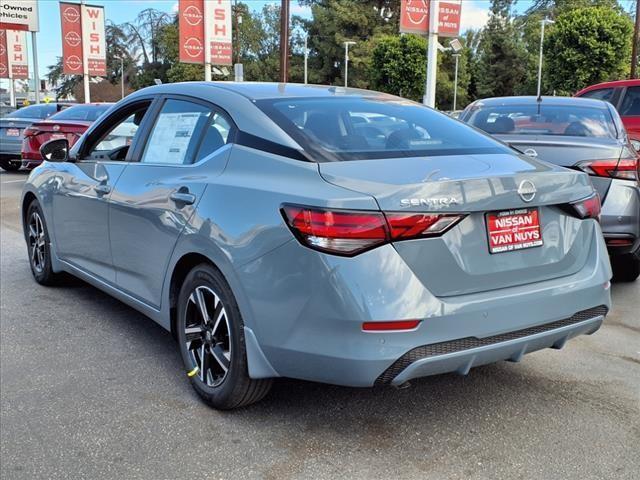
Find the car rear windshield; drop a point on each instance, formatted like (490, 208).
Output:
(87, 113)
(355, 128)
(534, 119)
(33, 111)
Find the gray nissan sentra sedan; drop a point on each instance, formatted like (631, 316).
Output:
(340, 236)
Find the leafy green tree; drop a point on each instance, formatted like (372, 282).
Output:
(337, 21)
(501, 54)
(587, 46)
(117, 47)
(398, 65)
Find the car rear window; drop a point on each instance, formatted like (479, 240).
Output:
(354, 128)
(34, 111)
(88, 113)
(535, 119)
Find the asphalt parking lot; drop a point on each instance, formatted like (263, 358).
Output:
(92, 389)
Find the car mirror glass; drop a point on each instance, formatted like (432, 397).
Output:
(55, 150)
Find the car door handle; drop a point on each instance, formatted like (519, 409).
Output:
(183, 197)
(102, 189)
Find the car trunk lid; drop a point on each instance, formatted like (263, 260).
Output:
(459, 262)
(568, 152)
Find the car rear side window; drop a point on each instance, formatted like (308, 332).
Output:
(631, 103)
(175, 136)
(216, 136)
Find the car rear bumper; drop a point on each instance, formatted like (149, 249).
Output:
(308, 319)
(10, 148)
(463, 354)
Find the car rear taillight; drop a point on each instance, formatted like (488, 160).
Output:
(30, 132)
(349, 232)
(624, 169)
(586, 208)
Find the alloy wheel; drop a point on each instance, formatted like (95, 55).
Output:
(37, 242)
(208, 336)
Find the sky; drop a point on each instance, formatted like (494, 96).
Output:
(474, 15)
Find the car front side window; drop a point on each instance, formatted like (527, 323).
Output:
(113, 142)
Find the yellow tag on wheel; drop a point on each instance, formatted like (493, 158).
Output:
(193, 372)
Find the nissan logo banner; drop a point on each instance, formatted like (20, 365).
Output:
(414, 17)
(83, 39)
(194, 16)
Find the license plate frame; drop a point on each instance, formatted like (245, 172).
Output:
(513, 230)
(13, 132)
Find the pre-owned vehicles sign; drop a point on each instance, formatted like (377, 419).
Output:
(19, 15)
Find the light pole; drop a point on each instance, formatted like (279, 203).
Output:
(121, 75)
(306, 57)
(543, 22)
(455, 81)
(346, 60)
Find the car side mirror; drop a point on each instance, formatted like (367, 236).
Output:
(55, 150)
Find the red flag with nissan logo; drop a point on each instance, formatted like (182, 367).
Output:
(4, 58)
(414, 17)
(71, 39)
(192, 16)
(191, 26)
(83, 35)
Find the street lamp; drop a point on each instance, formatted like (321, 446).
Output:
(121, 74)
(346, 60)
(306, 57)
(543, 22)
(455, 81)
(456, 47)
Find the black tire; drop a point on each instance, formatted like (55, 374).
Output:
(219, 388)
(626, 268)
(37, 236)
(11, 164)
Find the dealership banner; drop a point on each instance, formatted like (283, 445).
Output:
(17, 53)
(449, 18)
(19, 15)
(4, 59)
(191, 30)
(71, 39)
(220, 32)
(93, 40)
(414, 17)
(192, 17)
(83, 38)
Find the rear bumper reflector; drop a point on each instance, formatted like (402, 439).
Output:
(397, 325)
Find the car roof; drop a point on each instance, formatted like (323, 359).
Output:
(533, 100)
(615, 83)
(272, 90)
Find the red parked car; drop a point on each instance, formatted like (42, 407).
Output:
(625, 96)
(70, 124)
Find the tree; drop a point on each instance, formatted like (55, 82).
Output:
(586, 46)
(501, 54)
(397, 65)
(117, 47)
